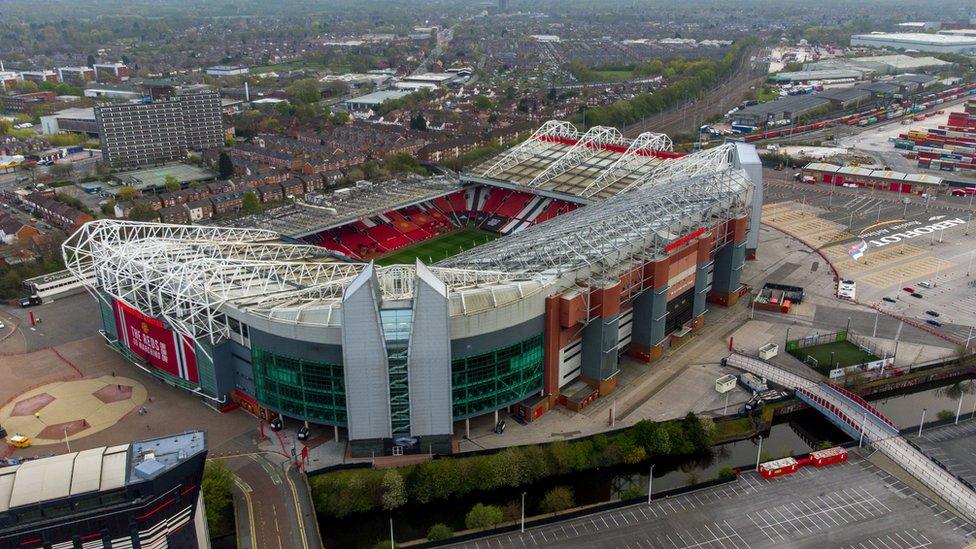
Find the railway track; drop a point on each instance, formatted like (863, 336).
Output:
(717, 100)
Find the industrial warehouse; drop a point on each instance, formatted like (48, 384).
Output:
(600, 246)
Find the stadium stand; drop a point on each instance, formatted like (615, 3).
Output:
(499, 210)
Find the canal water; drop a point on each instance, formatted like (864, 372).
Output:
(905, 410)
(794, 434)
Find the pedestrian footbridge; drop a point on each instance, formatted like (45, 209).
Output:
(856, 418)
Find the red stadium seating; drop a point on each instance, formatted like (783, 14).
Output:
(504, 211)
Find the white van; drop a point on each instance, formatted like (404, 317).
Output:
(925, 284)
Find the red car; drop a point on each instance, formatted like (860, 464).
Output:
(909, 289)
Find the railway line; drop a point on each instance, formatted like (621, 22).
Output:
(716, 101)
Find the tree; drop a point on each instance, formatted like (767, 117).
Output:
(482, 103)
(142, 212)
(91, 60)
(27, 86)
(305, 90)
(225, 166)
(483, 516)
(439, 531)
(335, 88)
(216, 487)
(394, 490)
(418, 122)
(126, 193)
(108, 208)
(5, 126)
(171, 183)
(558, 499)
(250, 202)
(62, 171)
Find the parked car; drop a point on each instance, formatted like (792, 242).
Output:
(934, 322)
(917, 295)
(888, 299)
(909, 289)
(932, 313)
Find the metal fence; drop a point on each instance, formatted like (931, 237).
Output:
(814, 340)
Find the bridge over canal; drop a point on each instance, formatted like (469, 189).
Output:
(857, 418)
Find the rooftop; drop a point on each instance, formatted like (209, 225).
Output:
(322, 211)
(95, 470)
(156, 175)
(596, 164)
(378, 97)
(918, 38)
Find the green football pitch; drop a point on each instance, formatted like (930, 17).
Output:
(834, 355)
(439, 247)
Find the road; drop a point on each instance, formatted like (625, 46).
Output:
(690, 116)
(277, 510)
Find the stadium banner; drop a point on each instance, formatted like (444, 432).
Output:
(160, 346)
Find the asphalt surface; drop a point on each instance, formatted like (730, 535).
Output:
(274, 507)
(887, 221)
(853, 504)
(953, 445)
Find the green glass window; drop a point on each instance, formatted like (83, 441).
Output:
(488, 381)
(304, 388)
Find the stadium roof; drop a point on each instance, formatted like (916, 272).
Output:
(593, 165)
(193, 276)
(318, 212)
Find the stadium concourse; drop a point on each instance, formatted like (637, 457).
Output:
(604, 246)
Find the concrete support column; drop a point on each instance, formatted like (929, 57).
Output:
(650, 312)
(729, 261)
(703, 279)
(600, 339)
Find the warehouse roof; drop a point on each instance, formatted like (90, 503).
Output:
(377, 98)
(845, 94)
(830, 74)
(918, 38)
(791, 104)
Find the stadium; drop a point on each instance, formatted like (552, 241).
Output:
(399, 311)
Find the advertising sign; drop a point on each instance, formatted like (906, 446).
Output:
(161, 347)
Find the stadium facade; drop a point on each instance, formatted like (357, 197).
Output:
(610, 247)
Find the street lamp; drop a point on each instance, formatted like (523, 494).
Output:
(864, 420)
(523, 512)
(758, 453)
(650, 484)
(921, 423)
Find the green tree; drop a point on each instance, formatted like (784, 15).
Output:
(91, 60)
(439, 531)
(305, 90)
(394, 490)
(127, 193)
(171, 183)
(945, 414)
(108, 208)
(27, 86)
(557, 499)
(483, 516)
(218, 481)
(418, 122)
(225, 166)
(482, 103)
(142, 212)
(5, 126)
(250, 202)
